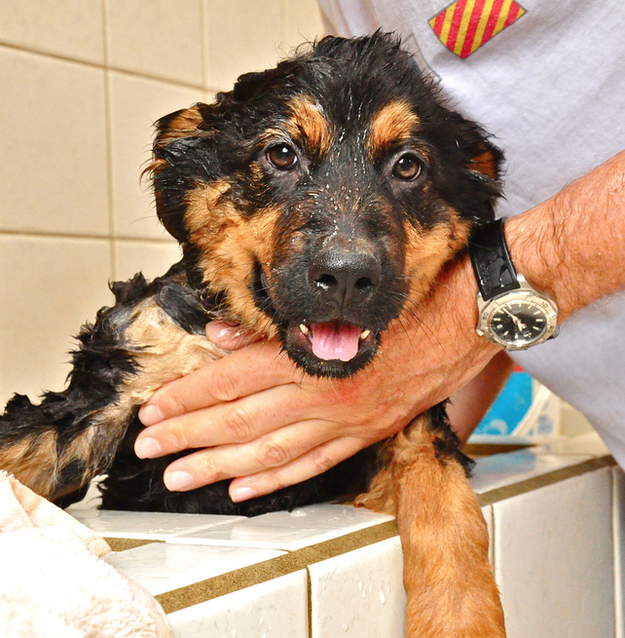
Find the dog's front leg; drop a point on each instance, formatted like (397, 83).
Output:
(451, 592)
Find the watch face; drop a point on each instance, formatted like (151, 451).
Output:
(519, 322)
(518, 319)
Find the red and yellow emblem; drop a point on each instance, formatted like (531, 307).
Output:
(464, 26)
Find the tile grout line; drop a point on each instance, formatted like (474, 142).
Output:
(508, 491)
(204, 47)
(109, 143)
(288, 563)
(103, 67)
(309, 602)
(61, 235)
(617, 558)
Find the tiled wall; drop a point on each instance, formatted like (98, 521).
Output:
(81, 82)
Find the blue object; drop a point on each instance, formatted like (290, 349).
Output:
(510, 407)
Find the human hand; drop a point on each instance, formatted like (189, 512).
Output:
(257, 417)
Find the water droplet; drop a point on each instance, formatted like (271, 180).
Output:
(382, 597)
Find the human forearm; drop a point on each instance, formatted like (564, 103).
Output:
(573, 245)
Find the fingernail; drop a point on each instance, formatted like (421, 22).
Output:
(150, 414)
(218, 330)
(178, 481)
(243, 493)
(147, 448)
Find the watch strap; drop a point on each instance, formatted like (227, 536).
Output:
(492, 264)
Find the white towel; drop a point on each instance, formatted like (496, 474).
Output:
(52, 583)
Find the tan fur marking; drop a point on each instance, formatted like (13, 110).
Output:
(185, 124)
(163, 352)
(392, 124)
(32, 461)
(308, 124)
(448, 579)
(428, 250)
(485, 163)
(230, 244)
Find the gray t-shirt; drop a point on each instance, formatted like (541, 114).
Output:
(547, 80)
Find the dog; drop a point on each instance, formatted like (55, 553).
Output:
(315, 202)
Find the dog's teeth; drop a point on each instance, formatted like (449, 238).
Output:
(304, 328)
(364, 334)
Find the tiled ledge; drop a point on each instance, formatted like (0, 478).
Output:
(555, 521)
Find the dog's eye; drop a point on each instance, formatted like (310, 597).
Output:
(407, 167)
(282, 156)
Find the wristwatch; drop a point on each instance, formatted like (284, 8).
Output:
(512, 313)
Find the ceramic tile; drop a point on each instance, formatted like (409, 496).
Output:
(553, 559)
(136, 103)
(618, 512)
(71, 28)
(487, 512)
(359, 593)
(149, 257)
(302, 22)
(53, 151)
(235, 45)
(162, 567)
(499, 470)
(289, 530)
(54, 286)
(590, 444)
(148, 525)
(158, 38)
(274, 609)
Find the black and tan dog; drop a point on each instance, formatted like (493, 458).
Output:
(317, 201)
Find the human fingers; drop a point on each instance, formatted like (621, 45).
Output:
(230, 336)
(258, 367)
(227, 461)
(237, 421)
(316, 461)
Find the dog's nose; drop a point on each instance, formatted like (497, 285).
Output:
(344, 275)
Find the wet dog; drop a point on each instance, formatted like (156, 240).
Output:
(316, 202)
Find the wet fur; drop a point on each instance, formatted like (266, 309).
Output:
(249, 235)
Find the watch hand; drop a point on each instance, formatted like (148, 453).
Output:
(519, 324)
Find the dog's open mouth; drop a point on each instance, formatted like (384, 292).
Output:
(333, 340)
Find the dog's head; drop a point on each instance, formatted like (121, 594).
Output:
(320, 199)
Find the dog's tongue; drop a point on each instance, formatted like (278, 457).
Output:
(335, 340)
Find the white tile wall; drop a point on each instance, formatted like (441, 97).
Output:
(82, 82)
(53, 150)
(273, 609)
(151, 258)
(556, 549)
(359, 593)
(161, 526)
(302, 527)
(618, 513)
(554, 559)
(163, 567)
(59, 283)
(233, 43)
(70, 28)
(157, 38)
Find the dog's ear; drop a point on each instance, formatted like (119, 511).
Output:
(177, 125)
(483, 163)
(178, 159)
(485, 159)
